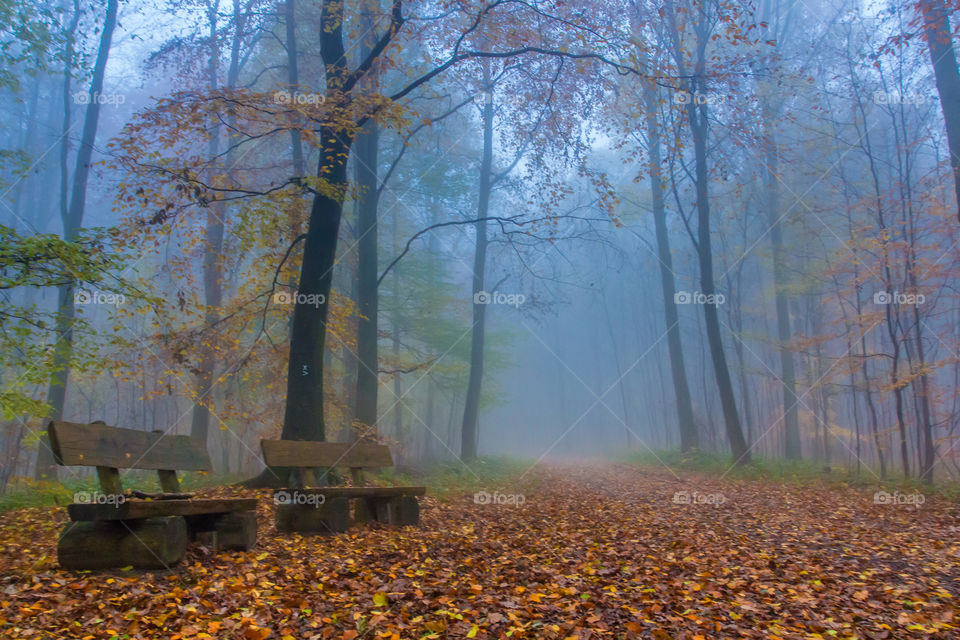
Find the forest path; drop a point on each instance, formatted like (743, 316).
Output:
(583, 551)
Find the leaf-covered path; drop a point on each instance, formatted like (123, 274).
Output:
(591, 552)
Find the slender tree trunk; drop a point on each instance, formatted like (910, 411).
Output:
(788, 375)
(471, 409)
(738, 446)
(63, 350)
(395, 331)
(67, 112)
(213, 247)
(365, 149)
(293, 79)
(681, 389)
(944, 60)
(928, 448)
(366, 155)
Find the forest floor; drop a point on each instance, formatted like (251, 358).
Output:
(588, 551)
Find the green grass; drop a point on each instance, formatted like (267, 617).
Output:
(23, 493)
(779, 470)
(444, 479)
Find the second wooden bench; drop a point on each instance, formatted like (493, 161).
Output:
(307, 508)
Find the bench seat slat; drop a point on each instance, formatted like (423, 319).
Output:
(102, 446)
(133, 509)
(360, 492)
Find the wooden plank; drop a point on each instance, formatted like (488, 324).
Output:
(302, 453)
(133, 509)
(100, 445)
(359, 492)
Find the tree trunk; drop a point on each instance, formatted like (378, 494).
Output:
(468, 431)
(688, 429)
(57, 391)
(791, 425)
(293, 79)
(303, 415)
(738, 446)
(303, 412)
(937, 26)
(366, 157)
(365, 150)
(213, 246)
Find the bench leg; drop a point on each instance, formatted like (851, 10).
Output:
(399, 510)
(364, 510)
(236, 531)
(148, 543)
(233, 531)
(333, 516)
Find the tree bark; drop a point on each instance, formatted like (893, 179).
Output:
(471, 409)
(293, 79)
(57, 391)
(366, 148)
(791, 425)
(303, 414)
(689, 439)
(212, 289)
(738, 446)
(936, 22)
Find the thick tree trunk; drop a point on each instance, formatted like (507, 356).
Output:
(944, 60)
(681, 389)
(303, 416)
(471, 409)
(56, 393)
(303, 413)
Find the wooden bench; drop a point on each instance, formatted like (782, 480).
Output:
(307, 508)
(111, 529)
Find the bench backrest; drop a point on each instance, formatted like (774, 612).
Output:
(309, 454)
(113, 448)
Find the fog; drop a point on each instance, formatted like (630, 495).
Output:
(458, 253)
